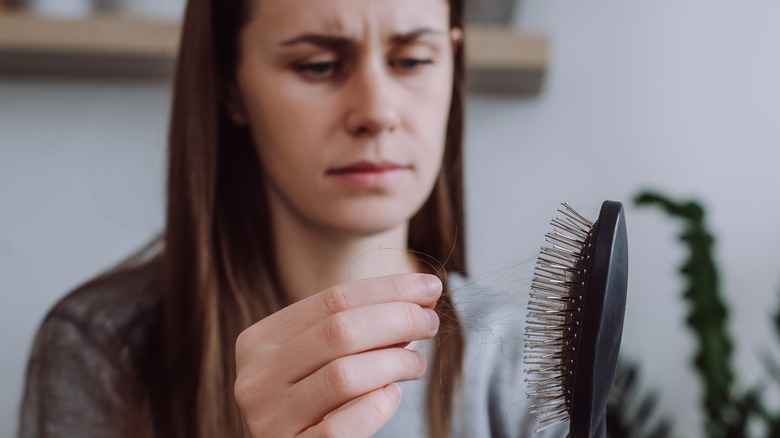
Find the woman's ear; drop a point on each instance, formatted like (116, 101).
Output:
(456, 37)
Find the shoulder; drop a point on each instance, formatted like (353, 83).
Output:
(83, 370)
(113, 302)
(112, 312)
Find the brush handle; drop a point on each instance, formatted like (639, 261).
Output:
(601, 431)
(604, 304)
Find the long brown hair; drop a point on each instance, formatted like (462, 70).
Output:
(218, 258)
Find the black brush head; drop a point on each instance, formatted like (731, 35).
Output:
(603, 310)
(575, 319)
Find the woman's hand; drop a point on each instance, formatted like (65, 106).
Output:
(326, 366)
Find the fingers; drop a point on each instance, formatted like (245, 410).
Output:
(327, 360)
(420, 289)
(358, 330)
(361, 418)
(259, 340)
(351, 377)
(270, 411)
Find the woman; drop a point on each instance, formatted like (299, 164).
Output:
(305, 138)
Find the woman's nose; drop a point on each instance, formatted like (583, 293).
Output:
(371, 108)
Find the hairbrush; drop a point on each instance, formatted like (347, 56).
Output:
(575, 320)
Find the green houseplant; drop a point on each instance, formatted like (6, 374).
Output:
(728, 409)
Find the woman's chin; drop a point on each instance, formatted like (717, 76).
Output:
(366, 224)
(368, 217)
(368, 227)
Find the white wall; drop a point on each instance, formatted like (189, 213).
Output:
(681, 96)
(81, 177)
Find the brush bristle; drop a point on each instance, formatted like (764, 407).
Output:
(553, 320)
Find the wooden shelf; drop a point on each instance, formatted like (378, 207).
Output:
(96, 46)
(504, 60)
(498, 59)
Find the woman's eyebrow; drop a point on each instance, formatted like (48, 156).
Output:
(335, 43)
(411, 36)
(338, 43)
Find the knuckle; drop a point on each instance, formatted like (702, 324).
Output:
(400, 285)
(242, 391)
(411, 315)
(248, 343)
(339, 332)
(254, 336)
(342, 377)
(334, 300)
(242, 341)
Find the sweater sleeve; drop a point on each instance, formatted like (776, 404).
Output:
(74, 384)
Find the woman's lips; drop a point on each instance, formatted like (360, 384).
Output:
(366, 167)
(368, 174)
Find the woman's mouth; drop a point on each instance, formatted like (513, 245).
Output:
(366, 167)
(368, 174)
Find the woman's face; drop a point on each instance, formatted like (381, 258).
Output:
(347, 101)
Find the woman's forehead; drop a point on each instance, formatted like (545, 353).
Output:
(350, 18)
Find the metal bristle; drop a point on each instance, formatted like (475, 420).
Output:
(552, 324)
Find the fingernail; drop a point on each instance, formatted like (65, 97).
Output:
(422, 364)
(431, 285)
(433, 319)
(394, 391)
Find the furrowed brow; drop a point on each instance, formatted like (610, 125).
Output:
(409, 37)
(335, 43)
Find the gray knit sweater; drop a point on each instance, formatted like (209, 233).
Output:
(91, 344)
(492, 400)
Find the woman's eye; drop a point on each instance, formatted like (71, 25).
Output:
(318, 70)
(410, 64)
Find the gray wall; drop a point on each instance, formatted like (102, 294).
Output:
(680, 96)
(81, 177)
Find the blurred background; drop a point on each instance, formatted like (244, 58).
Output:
(618, 97)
